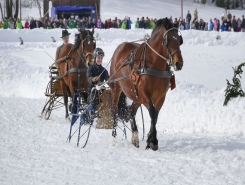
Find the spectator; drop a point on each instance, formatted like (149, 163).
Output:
(196, 14)
(108, 24)
(11, 24)
(137, 23)
(124, 24)
(49, 26)
(152, 24)
(176, 23)
(33, 24)
(72, 24)
(27, 25)
(202, 24)
(99, 23)
(90, 24)
(197, 25)
(65, 25)
(243, 24)
(119, 23)
(129, 22)
(182, 24)
(6, 23)
(61, 24)
(147, 23)
(234, 24)
(187, 25)
(229, 24)
(18, 24)
(188, 17)
(218, 25)
(215, 24)
(1, 25)
(82, 23)
(211, 25)
(206, 26)
(142, 23)
(239, 24)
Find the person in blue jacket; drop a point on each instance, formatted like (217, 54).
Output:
(211, 25)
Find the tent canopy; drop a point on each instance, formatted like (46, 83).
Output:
(73, 10)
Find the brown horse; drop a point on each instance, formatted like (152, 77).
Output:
(142, 73)
(72, 71)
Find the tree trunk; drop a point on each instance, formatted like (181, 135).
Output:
(20, 11)
(7, 8)
(16, 8)
(39, 8)
(10, 8)
(1, 11)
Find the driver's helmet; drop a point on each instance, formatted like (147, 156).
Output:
(98, 52)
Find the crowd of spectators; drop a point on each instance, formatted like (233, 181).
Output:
(226, 23)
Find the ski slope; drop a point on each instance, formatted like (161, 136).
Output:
(200, 141)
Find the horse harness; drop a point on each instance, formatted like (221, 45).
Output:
(134, 74)
(78, 70)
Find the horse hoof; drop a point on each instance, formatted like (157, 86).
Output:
(154, 147)
(136, 145)
(135, 139)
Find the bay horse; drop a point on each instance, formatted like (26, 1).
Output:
(142, 73)
(72, 70)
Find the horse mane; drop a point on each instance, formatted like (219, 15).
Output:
(165, 22)
(78, 40)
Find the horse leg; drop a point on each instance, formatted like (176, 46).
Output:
(115, 94)
(152, 141)
(135, 138)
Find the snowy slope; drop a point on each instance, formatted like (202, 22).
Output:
(200, 141)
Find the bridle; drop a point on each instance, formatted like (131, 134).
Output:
(84, 56)
(165, 42)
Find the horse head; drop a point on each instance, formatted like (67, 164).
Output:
(85, 45)
(171, 40)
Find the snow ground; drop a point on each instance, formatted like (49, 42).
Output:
(200, 141)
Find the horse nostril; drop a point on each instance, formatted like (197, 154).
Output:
(178, 66)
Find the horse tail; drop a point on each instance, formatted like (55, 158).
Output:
(123, 108)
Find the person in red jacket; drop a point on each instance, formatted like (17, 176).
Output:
(27, 25)
(108, 24)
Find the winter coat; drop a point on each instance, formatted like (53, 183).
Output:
(93, 71)
(33, 24)
(124, 25)
(6, 24)
(211, 26)
(1, 25)
(141, 24)
(71, 24)
(239, 23)
(147, 24)
(197, 25)
(11, 25)
(188, 17)
(243, 23)
(19, 25)
(129, 22)
(234, 23)
(215, 25)
(152, 25)
(99, 24)
(137, 24)
(90, 25)
(27, 26)
(108, 25)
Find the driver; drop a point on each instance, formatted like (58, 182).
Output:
(96, 74)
